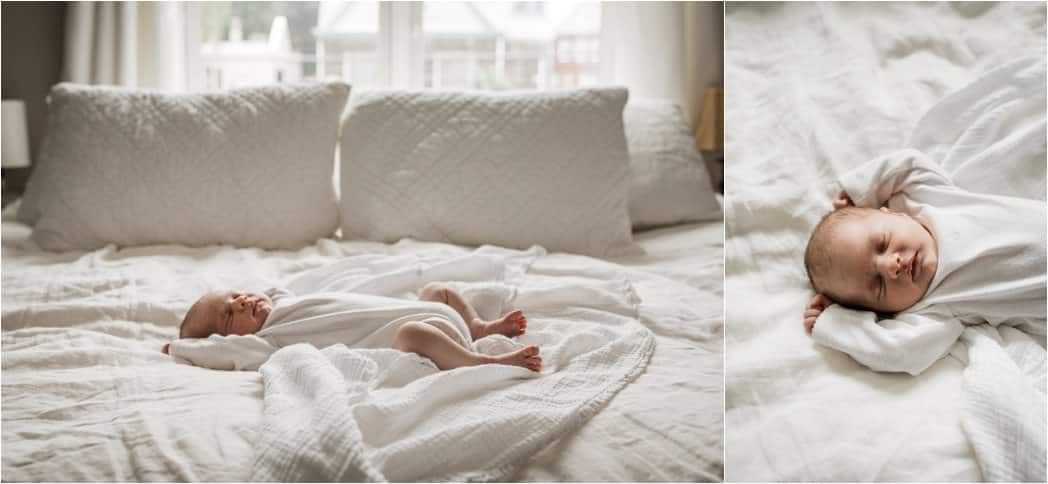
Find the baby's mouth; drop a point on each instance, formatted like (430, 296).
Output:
(914, 266)
(261, 310)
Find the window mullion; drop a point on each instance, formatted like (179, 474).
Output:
(400, 43)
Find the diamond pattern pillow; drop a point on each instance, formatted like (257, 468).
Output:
(246, 167)
(670, 183)
(547, 168)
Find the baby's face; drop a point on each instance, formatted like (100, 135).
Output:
(885, 261)
(232, 312)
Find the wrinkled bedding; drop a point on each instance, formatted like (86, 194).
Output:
(365, 413)
(805, 105)
(88, 396)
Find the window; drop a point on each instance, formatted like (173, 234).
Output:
(249, 43)
(442, 45)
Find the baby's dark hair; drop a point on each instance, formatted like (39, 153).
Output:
(817, 258)
(190, 326)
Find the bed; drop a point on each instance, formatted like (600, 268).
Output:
(88, 396)
(816, 89)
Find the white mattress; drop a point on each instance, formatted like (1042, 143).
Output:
(815, 89)
(88, 396)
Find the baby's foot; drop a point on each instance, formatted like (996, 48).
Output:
(527, 357)
(513, 323)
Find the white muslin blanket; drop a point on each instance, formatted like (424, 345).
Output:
(991, 137)
(1003, 411)
(341, 414)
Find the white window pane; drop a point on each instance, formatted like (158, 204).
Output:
(509, 45)
(346, 36)
(252, 43)
(464, 45)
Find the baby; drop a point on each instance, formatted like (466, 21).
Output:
(238, 330)
(906, 245)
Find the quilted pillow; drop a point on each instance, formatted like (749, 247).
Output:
(670, 184)
(247, 167)
(517, 169)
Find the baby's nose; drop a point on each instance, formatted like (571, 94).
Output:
(891, 265)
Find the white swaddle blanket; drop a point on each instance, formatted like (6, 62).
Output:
(361, 302)
(383, 415)
(991, 137)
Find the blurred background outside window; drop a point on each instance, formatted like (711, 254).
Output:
(370, 44)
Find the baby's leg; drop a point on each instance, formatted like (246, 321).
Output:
(430, 342)
(511, 324)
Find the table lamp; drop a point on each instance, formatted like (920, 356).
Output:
(15, 136)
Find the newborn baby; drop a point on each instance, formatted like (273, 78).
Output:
(238, 331)
(905, 244)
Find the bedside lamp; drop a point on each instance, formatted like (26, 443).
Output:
(710, 135)
(15, 136)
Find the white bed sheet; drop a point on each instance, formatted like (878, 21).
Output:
(816, 89)
(71, 412)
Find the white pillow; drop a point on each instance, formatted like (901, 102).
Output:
(670, 183)
(548, 168)
(247, 167)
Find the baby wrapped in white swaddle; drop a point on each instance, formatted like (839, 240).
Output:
(239, 331)
(930, 256)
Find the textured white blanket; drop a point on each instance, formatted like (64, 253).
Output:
(84, 378)
(1003, 412)
(382, 415)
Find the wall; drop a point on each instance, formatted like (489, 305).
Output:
(664, 50)
(704, 33)
(32, 47)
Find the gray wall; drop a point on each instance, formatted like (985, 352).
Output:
(32, 47)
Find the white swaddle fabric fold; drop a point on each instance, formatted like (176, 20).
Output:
(990, 136)
(384, 415)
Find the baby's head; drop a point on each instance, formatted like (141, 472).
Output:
(226, 313)
(877, 260)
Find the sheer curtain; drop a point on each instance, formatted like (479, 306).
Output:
(136, 44)
(670, 50)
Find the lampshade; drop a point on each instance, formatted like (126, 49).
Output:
(710, 135)
(15, 135)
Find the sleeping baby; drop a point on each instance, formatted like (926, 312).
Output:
(907, 258)
(239, 331)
